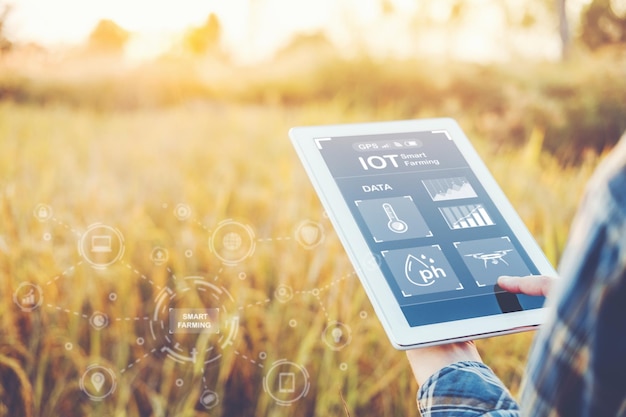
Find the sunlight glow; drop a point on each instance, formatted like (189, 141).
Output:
(253, 30)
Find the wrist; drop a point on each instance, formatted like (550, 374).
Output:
(425, 362)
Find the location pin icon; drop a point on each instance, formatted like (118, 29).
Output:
(97, 379)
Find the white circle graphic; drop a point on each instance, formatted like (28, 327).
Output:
(194, 295)
(209, 399)
(283, 293)
(309, 234)
(43, 212)
(99, 320)
(182, 211)
(286, 382)
(337, 335)
(232, 242)
(98, 382)
(27, 296)
(101, 245)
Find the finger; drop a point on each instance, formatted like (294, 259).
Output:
(529, 285)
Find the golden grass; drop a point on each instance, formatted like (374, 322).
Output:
(129, 170)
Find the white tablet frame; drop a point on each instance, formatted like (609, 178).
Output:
(401, 335)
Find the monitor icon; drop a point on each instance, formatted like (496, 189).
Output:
(101, 244)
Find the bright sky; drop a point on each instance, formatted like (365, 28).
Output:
(254, 29)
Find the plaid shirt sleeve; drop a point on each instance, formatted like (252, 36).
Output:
(465, 389)
(577, 366)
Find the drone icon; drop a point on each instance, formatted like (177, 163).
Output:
(494, 258)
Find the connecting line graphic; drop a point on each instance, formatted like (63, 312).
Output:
(315, 292)
(317, 296)
(257, 304)
(145, 318)
(142, 276)
(262, 355)
(202, 226)
(138, 360)
(272, 239)
(64, 273)
(65, 310)
(252, 361)
(217, 275)
(337, 281)
(66, 226)
(102, 246)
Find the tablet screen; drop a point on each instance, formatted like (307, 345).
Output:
(440, 241)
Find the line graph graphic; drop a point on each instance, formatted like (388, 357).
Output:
(467, 216)
(444, 189)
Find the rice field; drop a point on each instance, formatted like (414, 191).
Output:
(84, 333)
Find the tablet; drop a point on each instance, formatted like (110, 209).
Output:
(426, 227)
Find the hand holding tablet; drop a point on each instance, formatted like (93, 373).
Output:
(429, 360)
(426, 227)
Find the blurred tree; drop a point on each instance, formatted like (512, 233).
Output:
(5, 43)
(108, 37)
(315, 45)
(603, 23)
(564, 30)
(531, 14)
(206, 38)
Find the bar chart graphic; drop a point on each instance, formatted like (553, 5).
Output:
(465, 217)
(454, 188)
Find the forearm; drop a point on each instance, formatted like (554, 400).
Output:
(454, 382)
(468, 389)
(427, 361)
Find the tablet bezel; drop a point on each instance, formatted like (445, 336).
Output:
(400, 333)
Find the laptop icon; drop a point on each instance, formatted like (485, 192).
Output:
(101, 244)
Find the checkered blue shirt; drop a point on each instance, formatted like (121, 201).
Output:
(577, 365)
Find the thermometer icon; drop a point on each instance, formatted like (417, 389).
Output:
(395, 224)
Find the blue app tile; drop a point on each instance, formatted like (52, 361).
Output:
(421, 270)
(487, 259)
(393, 218)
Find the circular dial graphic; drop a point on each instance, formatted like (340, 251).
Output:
(195, 321)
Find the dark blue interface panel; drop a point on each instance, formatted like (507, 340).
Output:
(440, 240)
